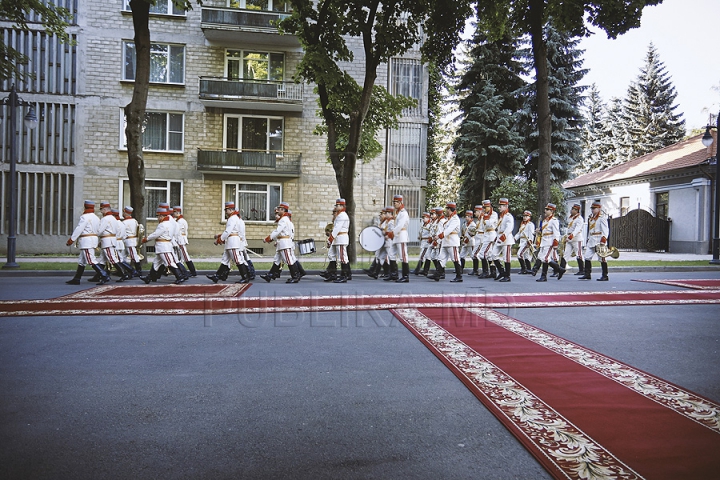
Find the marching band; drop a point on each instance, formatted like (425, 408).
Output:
(485, 235)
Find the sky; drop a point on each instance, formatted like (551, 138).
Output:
(686, 34)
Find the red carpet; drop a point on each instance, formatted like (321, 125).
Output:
(700, 284)
(582, 415)
(224, 299)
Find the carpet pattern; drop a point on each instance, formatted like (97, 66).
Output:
(226, 299)
(580, 413)
(699, 284)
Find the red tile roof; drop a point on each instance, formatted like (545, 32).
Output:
(683, 154)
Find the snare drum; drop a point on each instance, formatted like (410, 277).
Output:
(372, 238)
(306, 246)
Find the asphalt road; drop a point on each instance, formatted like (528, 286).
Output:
(296, 395)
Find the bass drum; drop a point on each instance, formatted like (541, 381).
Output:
(372, 238)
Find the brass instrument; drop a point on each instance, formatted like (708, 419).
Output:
(604, 251)
(561, 246)
(328, 229)
(140, 235)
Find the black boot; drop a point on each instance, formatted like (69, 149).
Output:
(436, 273)
(588, 271)
(385, 270)
(104, 277)
(559, 270)
(126, 270)
(179, 278)
(543, 276)
(294, 273)
(97, 276)
(506, 277)
(331, 271)
(393, 272)
(536, 267)
(462, 266)
(272, 274)
(374, 270)
(151, 276)
(604, 276)
(493, 272)
(440, 273)
(501, 272)
(183, 271)
(191, 267)
(344, 273)
(476, 262)
(418, 268)
(405, 274)
(251, 268)
(426, 268)
(78, 275)
(581, 267)
(244, 274)
(221, 274)
(523, 270)
(485, 269)
(138, 270)
(458, 273)
(301, 270)
(372, 266)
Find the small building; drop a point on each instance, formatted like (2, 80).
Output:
(673, 184)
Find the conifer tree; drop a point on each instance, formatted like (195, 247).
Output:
(566, 97)
(649, 113)
(594, 144)
(488, 146)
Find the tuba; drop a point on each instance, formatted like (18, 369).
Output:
(604, 251)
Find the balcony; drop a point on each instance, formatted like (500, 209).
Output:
(251, 94)
(250, 163)
(235, 26)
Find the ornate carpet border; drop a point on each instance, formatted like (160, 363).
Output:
(84, 303)
(125, 292)
(697, 284)
(560, 446)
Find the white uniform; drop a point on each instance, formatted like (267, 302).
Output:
(182, 239)
(108, 237)
(525, 236)
(234, 239)
(131, 228)
(340, 236)
(468, 239)
(163, 235)
(86, 236)
(400, 235)
(450, 235)
(424, 240)
(284, 246)
(490, 222)
(550, 231)
(505, 239)
(598, 231)
(575, 236)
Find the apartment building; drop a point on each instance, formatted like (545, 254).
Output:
(225, 122)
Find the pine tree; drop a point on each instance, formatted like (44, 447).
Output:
(616, 136)
(566, 98)
(488, 146)
(594, 145)
(648, 110)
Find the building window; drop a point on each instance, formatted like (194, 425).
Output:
(256, 202)
(162, 132)
(261, 5)
(156, 191)
(167, 63)
(160, 7)
(624, 205)
(247, 133)
(246, 65)
(662, 201)
(406, 78)
(412, 198)
(406, 153)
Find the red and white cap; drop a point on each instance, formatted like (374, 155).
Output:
(230, 205)
(596, 204)
(340, 201)
(503, 201)
(177, 209)
(527, 213)
(104, 204)
(551, 206)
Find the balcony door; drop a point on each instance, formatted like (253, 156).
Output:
(252, 133)
(261, 66)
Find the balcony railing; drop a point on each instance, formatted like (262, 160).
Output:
(237, 26)
(220, 88)
(250, 162)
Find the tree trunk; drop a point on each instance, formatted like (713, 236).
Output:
(135, 110)
(536, 17)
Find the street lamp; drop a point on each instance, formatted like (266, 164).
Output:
(707, 140)
(31, 121)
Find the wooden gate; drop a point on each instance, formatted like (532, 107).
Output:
(639, 230)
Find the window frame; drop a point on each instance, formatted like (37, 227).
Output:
(241, 61)
(169, 62)
(242, 4)
(172, 9)
(168, 132)
(122, 201)
(270, 208)
(240, 116)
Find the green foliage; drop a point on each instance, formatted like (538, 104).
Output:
(55, 22)
(522, 195)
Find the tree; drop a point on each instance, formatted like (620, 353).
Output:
(649, 113)
(55, 22)
(522, 195)
(488, 146)
(594, 143)
(352, 113)
(566, 97)
(518, 17)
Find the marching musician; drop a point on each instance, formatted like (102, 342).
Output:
(436, 243)
(467, 247)
(164, 257)
(132, 229)
(598, 231)
(479, 232)
(503, 243)
(399, 237)
(549, 241)
(284, 245)
(424, 237)
(86, 236)
(181, 238)
(234, 240)
(339, 240)
(575, 238)
(107, 232)
(449, 235)
(525, 238)
(389, 257)
(489, 222)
